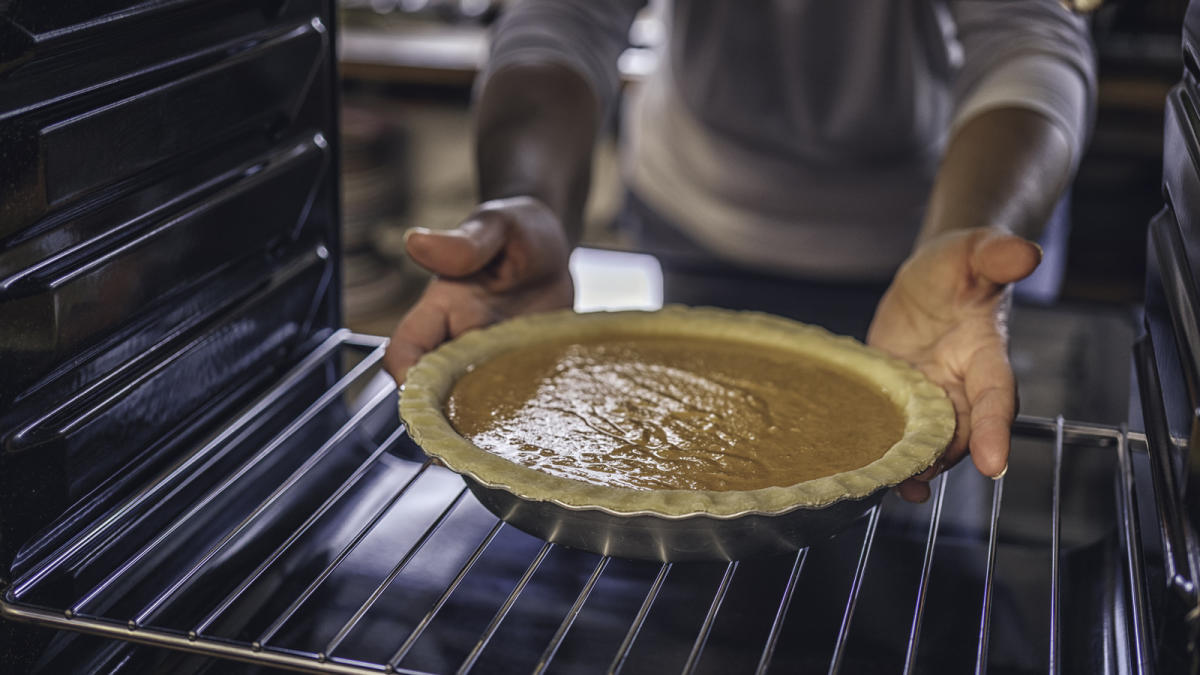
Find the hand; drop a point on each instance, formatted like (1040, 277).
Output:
(509, 257)
(946, 312)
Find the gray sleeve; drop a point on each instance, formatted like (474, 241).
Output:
(1026, 53)
(585, 35)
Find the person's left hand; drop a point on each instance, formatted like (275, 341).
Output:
(946, 313)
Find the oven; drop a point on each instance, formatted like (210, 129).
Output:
(201, 471)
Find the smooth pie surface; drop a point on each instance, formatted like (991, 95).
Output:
(668, 412)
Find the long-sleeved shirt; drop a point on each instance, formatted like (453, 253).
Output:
(803, 136)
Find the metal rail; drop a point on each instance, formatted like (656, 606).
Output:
(329, 659)
(768, 652)
(636, 626)
(290, 482)
(1179, 559)
(321, 510)
(561, 633)
(338, 637)
(914, 633)
(1131, 534)
(393, 663)
(839, 647)
(304, 418)
(97, 539)
(1055, 545)
(201, 459)
(989, 577)
(693, 659)
(511, 600)
(203, 646)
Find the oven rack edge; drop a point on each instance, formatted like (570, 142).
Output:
(1058, 429)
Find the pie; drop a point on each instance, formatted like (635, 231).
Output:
(676, 412)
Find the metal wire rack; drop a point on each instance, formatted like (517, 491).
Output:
(307, 533)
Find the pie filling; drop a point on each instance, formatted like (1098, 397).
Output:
(673, 413)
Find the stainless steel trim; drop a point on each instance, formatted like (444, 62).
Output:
(473, 656)
(309, 413)
(262, 652)
(441, 601)
(693, 659)
(338, 637)
(1131, 533)
(201, 645)
(989, 577)
(363, 531)
(636, 626)
(914, 634)
(1055, 545)
(321, 510)
(839, 648)
(1047, 427)
(150, 610)
(1179, 560)
(1179, 287)
(569, 619)
(194, 462)
(781, 613)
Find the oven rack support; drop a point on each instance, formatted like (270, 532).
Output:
(1174, 464)
(86, 612)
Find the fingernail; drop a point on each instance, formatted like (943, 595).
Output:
(415, 230)
(1001, 474)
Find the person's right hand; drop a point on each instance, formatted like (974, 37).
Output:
(509, 257)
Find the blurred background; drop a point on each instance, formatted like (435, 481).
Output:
(408, 68)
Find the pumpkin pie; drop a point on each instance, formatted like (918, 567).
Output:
(676, 412)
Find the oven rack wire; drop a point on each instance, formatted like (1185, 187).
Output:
(87, 610)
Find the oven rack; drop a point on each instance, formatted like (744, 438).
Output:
(360, 556)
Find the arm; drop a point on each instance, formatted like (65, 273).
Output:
(551, 77)
(947, 309)
(1024, 99)
(535, 127)
(535, 131)
(1023, 103)
(550, 81)
(1005, 168)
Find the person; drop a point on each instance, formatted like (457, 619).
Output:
(923, 143)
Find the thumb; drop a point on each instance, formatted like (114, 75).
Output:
(1003, 258)
(460, 251)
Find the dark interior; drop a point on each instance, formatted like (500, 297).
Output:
(202, 470)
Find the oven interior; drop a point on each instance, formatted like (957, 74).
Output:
(200, 468)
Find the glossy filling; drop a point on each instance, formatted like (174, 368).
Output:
(665, 412)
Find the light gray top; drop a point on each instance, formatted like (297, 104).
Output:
(803, 136)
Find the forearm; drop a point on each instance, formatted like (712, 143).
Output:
(1006, 167)
(535, 132)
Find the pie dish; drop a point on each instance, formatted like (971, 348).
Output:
(673, 516)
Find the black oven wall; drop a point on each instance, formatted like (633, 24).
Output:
(168, 236)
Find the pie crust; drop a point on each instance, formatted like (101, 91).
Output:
(928, 415)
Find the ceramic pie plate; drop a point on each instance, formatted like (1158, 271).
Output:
(676, 524)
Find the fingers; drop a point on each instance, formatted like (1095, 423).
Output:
(505, 245)
(422, 329)
(991, 390)
(958, 445)
(913, 490)
(985, 404)
(508, 257)
(1004, 258)
(461, 251)
(536, 247)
